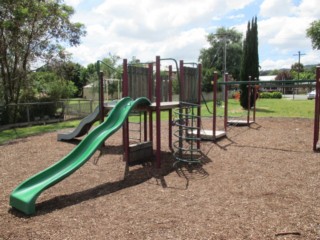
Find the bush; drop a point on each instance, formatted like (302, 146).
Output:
(277, 95)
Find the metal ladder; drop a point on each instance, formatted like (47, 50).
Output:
(185, 147)
(135, 127)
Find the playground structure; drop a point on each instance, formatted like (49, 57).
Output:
(138, 81)
(284, 84)
(25, 195)
(252, 90)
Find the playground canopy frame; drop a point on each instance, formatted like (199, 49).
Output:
(294, 83)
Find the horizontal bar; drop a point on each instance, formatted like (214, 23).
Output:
(273, 82)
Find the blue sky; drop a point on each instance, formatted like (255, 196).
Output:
(178, 28)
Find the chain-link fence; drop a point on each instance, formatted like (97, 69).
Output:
(23, 114)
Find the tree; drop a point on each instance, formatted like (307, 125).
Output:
(212, 58)
(250, 61)
(31, 31)
(313, 32)
(110, 70)
(284, 75)
(297, 67)
(69, 71)
(50, 86)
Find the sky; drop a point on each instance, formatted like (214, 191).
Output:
(178, 29)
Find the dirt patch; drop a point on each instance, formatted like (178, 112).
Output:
(262, 182)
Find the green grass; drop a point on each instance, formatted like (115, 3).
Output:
(265, 108)
(11, 134)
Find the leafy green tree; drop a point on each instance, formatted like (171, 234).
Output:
(297, 67)
(212, 58)
(32, 31)
(50, 86)
(68, 71)
(303, 73)
(313, 32)
(250, 61)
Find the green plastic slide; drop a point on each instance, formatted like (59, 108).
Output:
(25, 195)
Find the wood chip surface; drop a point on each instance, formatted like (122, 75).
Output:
(261, 182)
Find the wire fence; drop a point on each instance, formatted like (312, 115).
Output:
(24, 114)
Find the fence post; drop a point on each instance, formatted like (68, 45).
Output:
(28, 114)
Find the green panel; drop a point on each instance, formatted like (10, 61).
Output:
(24, 196)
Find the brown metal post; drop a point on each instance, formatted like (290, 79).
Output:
(125, 80)
(182, 90)
(316, 111)
(199, 103)
(150, 96)
(214, 117)
(125, 128)
(158, 119)
(101, 97)
(254, 101)
(170, 83)
(170, 110)
(226, 89)
(181, 98)
(249, 101)
(145, 126)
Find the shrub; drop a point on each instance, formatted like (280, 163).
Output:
(276, 95)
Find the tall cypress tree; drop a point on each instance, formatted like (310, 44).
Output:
(250, 61)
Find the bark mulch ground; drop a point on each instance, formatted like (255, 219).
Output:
(261, 182)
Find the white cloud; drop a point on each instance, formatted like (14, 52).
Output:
(148, 27)
(275, 8)
(285, 32)
(179, 28)
(309, 9)
(290, 34)
(308, 58)
(73, 3)
(269, 64)
(239, 16)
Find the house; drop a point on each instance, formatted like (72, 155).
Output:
(268, 86)
(111, 90)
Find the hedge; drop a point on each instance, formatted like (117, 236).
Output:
(277, 95)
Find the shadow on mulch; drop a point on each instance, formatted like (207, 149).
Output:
(132, 178)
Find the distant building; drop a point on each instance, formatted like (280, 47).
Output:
(91, 91)
(267, 87)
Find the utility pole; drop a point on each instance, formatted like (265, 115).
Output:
(299, 57)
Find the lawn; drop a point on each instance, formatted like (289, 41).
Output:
(15, 133)
(265, 108)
